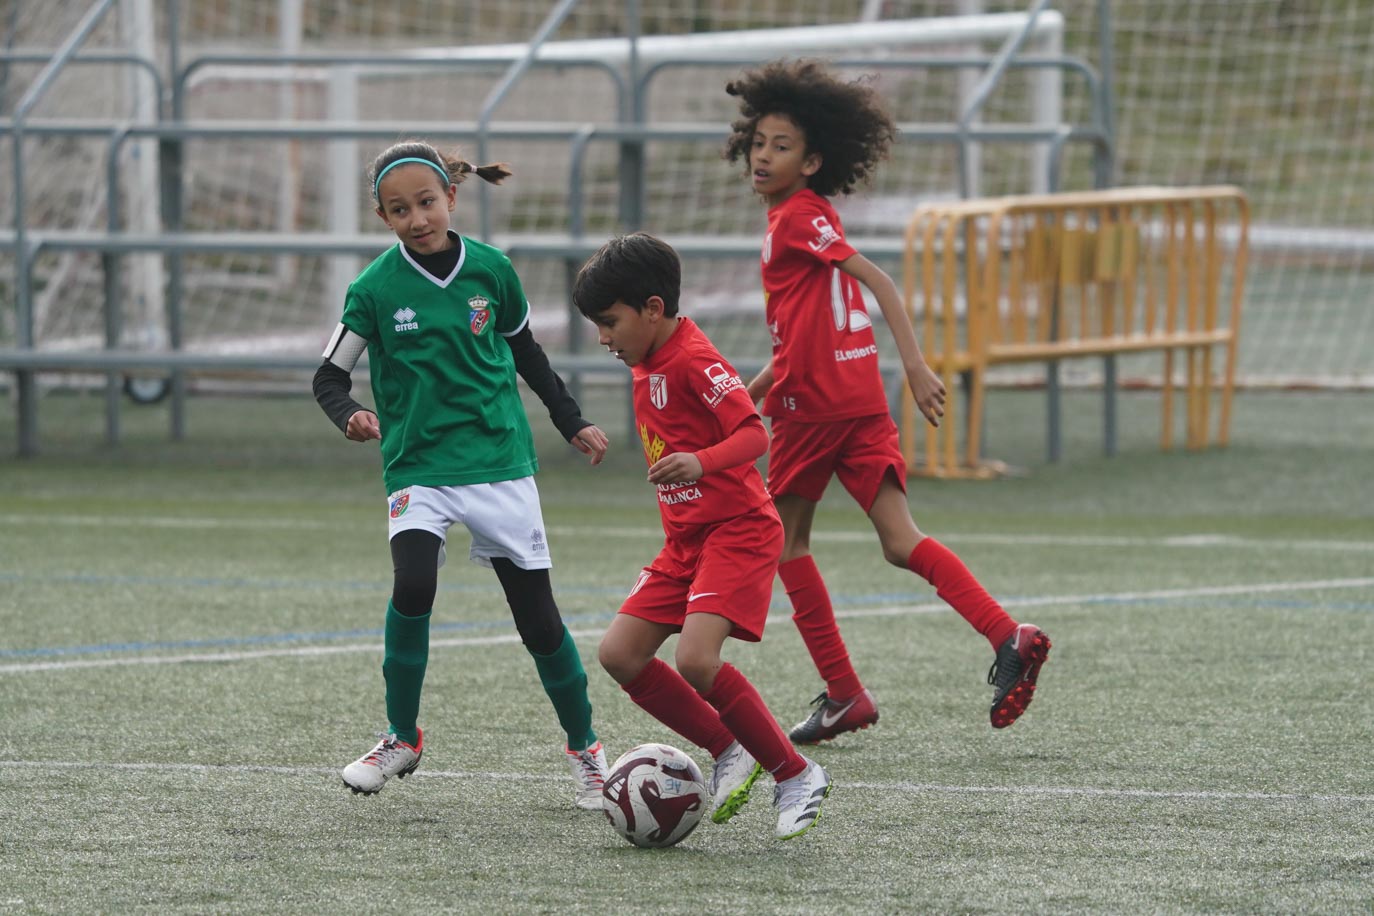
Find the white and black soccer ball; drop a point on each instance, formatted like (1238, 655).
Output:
(654, 795)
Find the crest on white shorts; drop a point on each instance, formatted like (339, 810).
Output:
(658, 390)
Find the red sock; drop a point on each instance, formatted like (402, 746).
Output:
(664, 694)
(742, 711)
(815, 619)
(939, 566)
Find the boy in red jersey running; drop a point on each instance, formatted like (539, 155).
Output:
(806, 135)
(713, 578)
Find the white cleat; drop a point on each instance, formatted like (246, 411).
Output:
(391, 757)
(732, 777)
(589, 772)
(798, 800)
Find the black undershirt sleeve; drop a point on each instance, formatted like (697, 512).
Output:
(533, 365)
(332, 386)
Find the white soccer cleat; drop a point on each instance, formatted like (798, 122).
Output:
(391, 757)
(798, 800)
(731, 779)
(589, 772)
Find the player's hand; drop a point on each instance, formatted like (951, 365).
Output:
(362, 426)
(929, 392)
(590, 440)
(675, 468)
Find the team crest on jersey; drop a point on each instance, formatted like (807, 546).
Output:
(653, 445)
(405, 319)
(658, 391)
(400, 501)
(479, 314)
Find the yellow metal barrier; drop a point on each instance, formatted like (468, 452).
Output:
(1049, 277)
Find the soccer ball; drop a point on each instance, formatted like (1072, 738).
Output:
(654, 795)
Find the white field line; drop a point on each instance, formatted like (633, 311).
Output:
(905, 788)
(1186, 541)
(937, 607)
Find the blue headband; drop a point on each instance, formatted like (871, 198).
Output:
(377, 184)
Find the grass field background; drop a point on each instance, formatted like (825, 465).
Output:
(190, 648)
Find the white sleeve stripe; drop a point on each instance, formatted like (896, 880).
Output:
(345, 348)
(334, 340)
(523, 322)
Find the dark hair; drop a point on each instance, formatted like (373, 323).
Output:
(629, 269)
(456, 167)
(844, 122)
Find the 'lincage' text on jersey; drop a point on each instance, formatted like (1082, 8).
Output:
(825, 234)
(722, 383)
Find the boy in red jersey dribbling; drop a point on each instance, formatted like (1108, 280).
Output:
(714, 576)
(805, 136)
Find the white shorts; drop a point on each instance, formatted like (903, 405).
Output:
(503, 518)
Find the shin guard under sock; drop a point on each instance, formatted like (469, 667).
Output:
(743, 712)
(404, 658)
(939, 566)
(565, 681)
(664, 694)
(815, 620)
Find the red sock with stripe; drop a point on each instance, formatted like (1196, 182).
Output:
(664, 694)
(742, 710)
(939, 566)
(815, 620)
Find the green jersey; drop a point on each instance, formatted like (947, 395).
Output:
(443, 378)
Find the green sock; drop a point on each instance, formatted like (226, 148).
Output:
(565, 681)
(403, 667)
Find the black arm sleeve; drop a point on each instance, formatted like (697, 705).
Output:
(533, 366)
(331, 386)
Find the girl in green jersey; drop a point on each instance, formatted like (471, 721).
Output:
(445, 324)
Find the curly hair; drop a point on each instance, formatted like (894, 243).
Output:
(844, 122)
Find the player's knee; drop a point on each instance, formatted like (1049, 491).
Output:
(895, 554)
(622, 665)
(413, 589)
(898, 545)
(697, 667)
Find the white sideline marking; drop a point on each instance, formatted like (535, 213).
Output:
(909, 788)
(1191, 541)
(937, 607)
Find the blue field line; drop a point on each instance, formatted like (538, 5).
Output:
(492, 588)
(275, 638)
(779, 605)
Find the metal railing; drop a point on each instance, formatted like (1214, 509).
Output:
(571, 247)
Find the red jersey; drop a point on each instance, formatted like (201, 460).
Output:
(687, 398)
(825, 358)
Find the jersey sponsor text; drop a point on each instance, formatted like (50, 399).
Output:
(856, 353)
(670, 494)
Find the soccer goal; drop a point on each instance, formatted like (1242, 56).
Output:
(284, 303)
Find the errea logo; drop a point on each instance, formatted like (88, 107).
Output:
(405, 319)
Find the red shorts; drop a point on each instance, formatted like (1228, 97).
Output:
(804, 456)
(726, 568)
